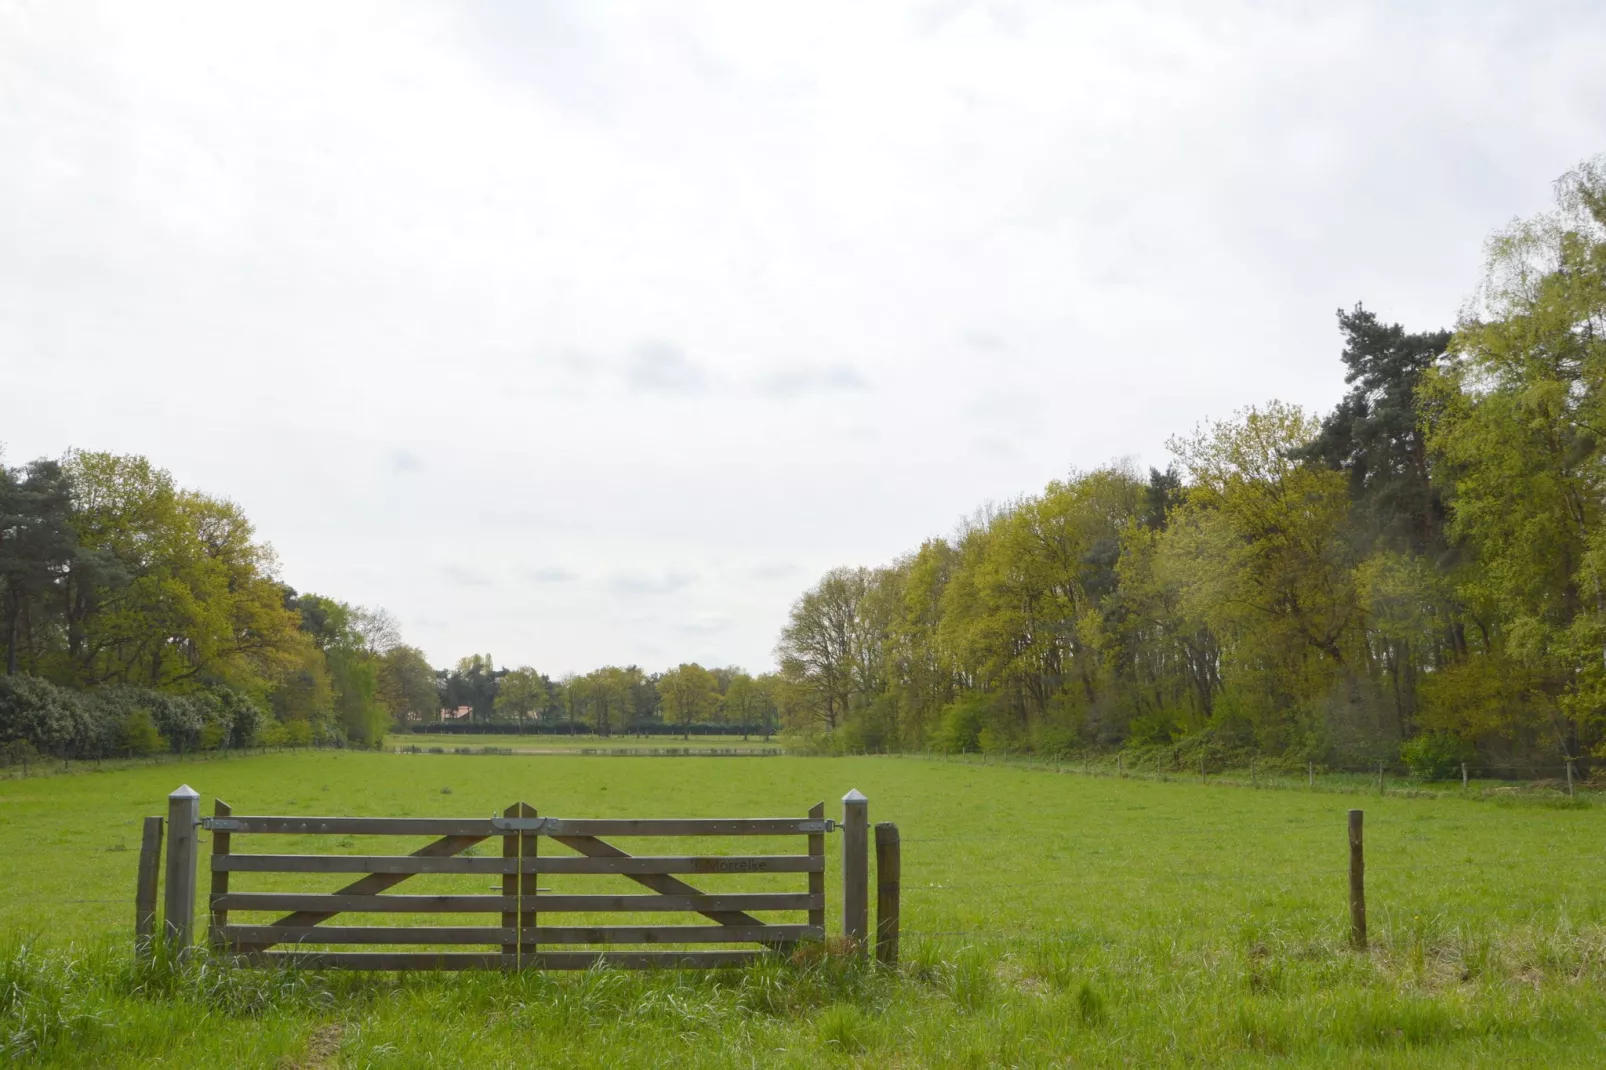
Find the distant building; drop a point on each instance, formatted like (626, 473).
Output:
(462, 713)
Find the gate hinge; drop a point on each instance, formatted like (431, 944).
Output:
(221, 824)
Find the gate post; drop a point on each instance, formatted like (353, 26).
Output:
(1357, 881)
(150, 872)
(183, 817)
(888, 877)
(856, 868)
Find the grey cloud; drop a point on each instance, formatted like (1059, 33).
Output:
(992, 446)
(549, 575)
(636, 584)
(406, 461)
(465, 577)
(775, 570)
(709, 626)
(984, 342)
(1007, 408)
(663, 368)
(793, 380)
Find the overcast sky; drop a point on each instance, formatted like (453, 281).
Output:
(589, 333)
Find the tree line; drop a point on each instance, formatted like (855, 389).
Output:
(613, 699)
(141, 617)
(1419, 573)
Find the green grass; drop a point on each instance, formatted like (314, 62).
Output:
(1048, 919)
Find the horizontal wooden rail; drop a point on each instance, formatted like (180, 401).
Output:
(671, 934)
(686, 826)
(264, 935)
(424, 864)
(322, 905)
(539, 960)
(485, 827)
(471, 904)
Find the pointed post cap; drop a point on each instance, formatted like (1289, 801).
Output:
(854, 796)
(184, 791)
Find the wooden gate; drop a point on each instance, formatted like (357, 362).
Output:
(522, 937)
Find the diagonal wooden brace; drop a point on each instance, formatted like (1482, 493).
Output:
(374, 883)
(662, 883)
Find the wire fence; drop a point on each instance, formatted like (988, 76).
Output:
(1560, 778)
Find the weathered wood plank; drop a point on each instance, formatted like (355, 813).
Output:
(529, 852)
(183, 815)
(817, 874)
(629, 864)
(245, 937)
(375, 960)
(545, 960)
(478, 827)
(510, 889)
(592, 847)
(683, 826)
(403, 864)
(889, 882)
(409, 864)
(375, 883)
(856, 868)
(324, 906)
(483, 827)
(701, 903)
(145, 887)
(220, 879)
(676, 934)
(248, 937)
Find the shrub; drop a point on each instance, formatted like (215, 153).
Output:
(140, 737)
(960, 730)
(52, 719)
(1436, 755)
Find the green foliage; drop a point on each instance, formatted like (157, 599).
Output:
(1435, 755)
(1428, 557)
(140, 736)
(961, 726)
(106, 721)
(689, 693)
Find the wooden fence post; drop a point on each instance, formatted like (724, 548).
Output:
(817, 877)
(218, 920)
(510, 890)
(1357, 882)
(529, 848)
(150, 872)
(856, 868)
(888, 877)
(1380, 778)
(1254, 782)
(1310, 775)
(1569, 778)
(183, 817)
(1463, 776)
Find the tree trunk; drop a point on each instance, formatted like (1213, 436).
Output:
(11, 641)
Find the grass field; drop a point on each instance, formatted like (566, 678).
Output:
(556, 744)
(1048, 919)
